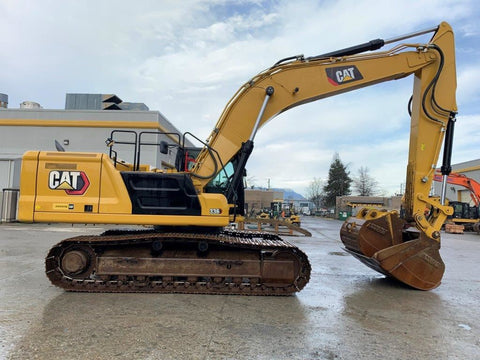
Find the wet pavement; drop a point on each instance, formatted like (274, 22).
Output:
(347, 311)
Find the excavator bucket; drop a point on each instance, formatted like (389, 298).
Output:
(380, 241)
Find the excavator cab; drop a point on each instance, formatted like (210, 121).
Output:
(461, 210)
(185, 161)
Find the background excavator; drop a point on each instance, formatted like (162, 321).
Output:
(464, 213)
(280, 211)
(189, 249)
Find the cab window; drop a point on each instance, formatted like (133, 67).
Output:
(220, 182)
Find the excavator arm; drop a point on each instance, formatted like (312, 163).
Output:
(379, 239)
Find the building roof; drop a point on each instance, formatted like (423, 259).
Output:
(75, 101)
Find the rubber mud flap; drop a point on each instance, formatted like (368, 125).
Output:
(416, 263)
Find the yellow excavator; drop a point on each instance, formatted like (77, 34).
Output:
(189, 247)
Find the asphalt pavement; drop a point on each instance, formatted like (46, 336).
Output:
(347, 311)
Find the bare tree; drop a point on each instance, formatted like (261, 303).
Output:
(364, 184)
(315, 192)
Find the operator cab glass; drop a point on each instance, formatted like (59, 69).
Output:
(220, 182)
(223, 184)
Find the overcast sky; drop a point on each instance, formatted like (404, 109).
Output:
(187, 58)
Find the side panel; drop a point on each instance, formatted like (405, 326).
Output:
(114, 198)
(68, 182)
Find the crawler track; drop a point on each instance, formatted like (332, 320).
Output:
(229, 262)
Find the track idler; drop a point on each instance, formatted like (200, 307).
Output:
(381, 241)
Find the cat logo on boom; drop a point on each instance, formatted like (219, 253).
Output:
(343, 75)
(73, 182)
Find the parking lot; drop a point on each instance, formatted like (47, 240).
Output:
(347, 311)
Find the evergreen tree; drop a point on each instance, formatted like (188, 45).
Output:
(338, 183)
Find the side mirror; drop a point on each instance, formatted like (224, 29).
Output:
(163, 147)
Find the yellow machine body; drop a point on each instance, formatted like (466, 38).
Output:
(76, 187)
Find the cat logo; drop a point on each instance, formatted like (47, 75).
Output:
(343, 74)
(73, 182)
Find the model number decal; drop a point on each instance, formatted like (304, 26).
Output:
(343, 74)
(73, 182)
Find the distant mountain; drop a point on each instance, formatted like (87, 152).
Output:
(289, 194)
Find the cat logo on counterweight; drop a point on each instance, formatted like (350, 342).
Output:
(73, 182)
